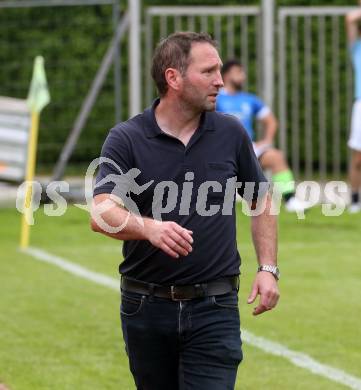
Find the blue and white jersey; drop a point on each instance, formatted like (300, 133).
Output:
(244, 106)
(355, 50)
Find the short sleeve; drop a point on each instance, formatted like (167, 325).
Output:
(260, 109)
(115, 162)
(254, 185)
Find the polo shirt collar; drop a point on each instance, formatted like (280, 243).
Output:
(153, 130)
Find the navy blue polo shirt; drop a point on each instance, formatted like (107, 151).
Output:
(219, 150)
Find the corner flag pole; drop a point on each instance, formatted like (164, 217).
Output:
(38, 98)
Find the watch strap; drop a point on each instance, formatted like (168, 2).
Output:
(273, 269)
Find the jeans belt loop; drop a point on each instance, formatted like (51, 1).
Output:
(151, 292)
(205, 289)
(199, 290)
(121, 282)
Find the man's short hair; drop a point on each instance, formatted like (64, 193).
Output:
(173, 52)
(228, 65)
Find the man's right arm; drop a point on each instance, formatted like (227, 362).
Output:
(352, 18)
(111, 219)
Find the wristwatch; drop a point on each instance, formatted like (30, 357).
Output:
(273, 269)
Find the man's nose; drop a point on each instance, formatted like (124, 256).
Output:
(219, 80)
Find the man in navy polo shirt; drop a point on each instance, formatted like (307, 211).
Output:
(166, 187)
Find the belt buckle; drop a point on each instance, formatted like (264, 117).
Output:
(173, 295)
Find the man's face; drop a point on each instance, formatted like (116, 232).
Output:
(235, 77)
(202, 79)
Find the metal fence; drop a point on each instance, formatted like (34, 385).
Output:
(315, 89)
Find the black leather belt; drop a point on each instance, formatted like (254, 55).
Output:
(182, 292)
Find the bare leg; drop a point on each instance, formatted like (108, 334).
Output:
(355, 171)
(274, 160)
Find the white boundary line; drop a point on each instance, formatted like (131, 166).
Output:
(302, 360)
(73, 268)
(297, 358)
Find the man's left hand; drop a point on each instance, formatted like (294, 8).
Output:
(266, 286)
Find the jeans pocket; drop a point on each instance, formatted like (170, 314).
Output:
(226, 301)
(130, 305)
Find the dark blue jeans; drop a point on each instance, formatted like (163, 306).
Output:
(185, 345)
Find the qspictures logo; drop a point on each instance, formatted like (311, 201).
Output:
(168, 196)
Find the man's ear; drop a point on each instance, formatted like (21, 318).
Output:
(174, 78)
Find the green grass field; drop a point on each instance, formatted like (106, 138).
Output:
(58, 331)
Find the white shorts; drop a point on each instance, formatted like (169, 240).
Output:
(354, 141)
(259, 150)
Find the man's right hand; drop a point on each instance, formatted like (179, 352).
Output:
(168, 236)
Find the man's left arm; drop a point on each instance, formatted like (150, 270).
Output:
(264, 234)
(265, 116)
(269, 125)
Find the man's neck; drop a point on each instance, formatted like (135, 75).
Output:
(176, 118)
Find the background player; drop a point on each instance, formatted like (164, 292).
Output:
(248, 107)
(353, 28)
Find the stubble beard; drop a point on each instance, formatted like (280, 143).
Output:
(237, 86)
(194, 101)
